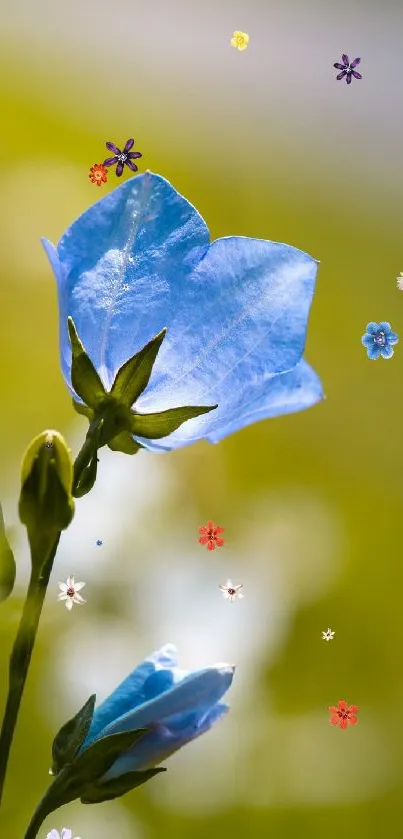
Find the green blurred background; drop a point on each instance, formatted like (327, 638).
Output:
(264, 143)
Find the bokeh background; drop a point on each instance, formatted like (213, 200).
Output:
(264, 143)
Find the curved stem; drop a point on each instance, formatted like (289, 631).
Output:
(22, 650)
(36, 822)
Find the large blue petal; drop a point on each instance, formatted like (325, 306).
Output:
(242, 320)
(160, 743)
(144, 235)
(198, 692)
(132, 691)
(236, 311)
(285, 394)
(64, 344)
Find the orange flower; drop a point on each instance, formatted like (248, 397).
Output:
(98, 174)
(343, 715)
(210, 536)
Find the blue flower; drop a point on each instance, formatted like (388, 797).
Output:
(378, 340)
(236, 310)
(175, 705)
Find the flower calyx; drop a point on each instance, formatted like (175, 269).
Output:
(112, 415)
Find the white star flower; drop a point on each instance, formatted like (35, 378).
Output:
(400, 281)
(328, 635)
(68, 592)
(65, 834)
(230, 591)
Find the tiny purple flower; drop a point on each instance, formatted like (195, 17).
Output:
(347, 69)
(122, 158)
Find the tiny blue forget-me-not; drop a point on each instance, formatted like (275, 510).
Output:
(378, 340)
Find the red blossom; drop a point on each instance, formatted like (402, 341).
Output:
(210, 536)
(98, 174)
(344, 714)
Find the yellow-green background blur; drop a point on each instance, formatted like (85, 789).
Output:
(264, 143)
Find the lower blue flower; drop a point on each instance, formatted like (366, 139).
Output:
(378, 340)
(175, 705)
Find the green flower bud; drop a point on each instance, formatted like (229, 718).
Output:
(46, 501)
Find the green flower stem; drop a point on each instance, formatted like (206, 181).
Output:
(43, 551)
(20, 658)
(36, 822)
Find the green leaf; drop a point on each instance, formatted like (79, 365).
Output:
(92, 763)
(159, 425)
(84, 377)
(7, 563)
(134, 375)
(116, 787)
(71, 736)
(124, 442)
(83, 410)
(46, 502)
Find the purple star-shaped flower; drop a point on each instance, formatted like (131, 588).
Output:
(347, 69)
(122, 158)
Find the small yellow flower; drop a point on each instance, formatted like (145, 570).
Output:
(400, 281)
(240, 40)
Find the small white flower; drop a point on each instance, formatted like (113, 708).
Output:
(400, 281)
(328, 635)
(65, 834)
(68, 593)
(230, 591)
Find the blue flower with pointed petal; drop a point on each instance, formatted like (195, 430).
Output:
(378, 340)
(236, 310)
(175, 705)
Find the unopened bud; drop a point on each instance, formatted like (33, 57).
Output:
(46, 501)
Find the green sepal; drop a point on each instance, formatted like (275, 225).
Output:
(124, 442)
(7, 563)
(134, 375)
(116, 787)
(83, 410)
(84, 377)
(71, 736)
(46, 501)
(96, 759)
(155, 426)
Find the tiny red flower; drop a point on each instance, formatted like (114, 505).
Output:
(98, 174)
(210, 536)
(344, 714)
